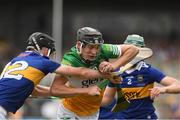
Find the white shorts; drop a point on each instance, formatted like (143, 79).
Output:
(63, 113)
(3, 113)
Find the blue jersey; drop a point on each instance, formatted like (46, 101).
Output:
(19, 77)
(136, 84)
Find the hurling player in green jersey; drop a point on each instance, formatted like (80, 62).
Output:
(89, 51)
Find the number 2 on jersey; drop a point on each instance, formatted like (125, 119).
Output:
(129, 82)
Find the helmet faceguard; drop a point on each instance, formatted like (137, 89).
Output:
(38, 40)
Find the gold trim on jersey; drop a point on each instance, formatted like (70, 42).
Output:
(138, 92)
(83, 105)
(31, 73)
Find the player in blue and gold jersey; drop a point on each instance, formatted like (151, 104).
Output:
(138, 88)
(24, 72)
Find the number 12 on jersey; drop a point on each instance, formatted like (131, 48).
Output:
(11, 70)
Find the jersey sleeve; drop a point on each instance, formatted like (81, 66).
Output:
(156, 75)
(50, 65)
(111, 51)
(66, 62)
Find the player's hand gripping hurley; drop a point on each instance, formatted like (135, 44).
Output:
(144, 53)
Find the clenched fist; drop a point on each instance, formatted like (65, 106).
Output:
(106, 67)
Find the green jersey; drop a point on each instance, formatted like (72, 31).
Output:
(84, 104)
(72, 58)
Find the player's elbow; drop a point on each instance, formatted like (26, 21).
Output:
(133, 49)
(130, 50)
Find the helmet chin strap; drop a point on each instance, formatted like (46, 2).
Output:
(49, 51)
(79, 51)
(37, 46)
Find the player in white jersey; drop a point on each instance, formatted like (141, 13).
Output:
(89, 52)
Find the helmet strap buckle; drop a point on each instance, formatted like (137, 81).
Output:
(79, 50)
(49, 51)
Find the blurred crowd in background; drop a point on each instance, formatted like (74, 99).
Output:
(157, 23)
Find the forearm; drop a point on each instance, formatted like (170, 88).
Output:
(174, 88)
(90, 73)
(80, 72)
(65, 92)
(171, 85)
(127, 55)
(60, 88)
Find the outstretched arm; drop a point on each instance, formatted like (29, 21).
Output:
(79, 72)
(170, 85)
